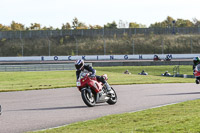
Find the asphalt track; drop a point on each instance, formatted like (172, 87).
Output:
(40, 109)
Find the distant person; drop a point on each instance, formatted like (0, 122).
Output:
(127, 72)
(143, 73)
(166, 74)
(196, 61)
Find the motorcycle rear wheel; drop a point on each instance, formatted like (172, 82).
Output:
(113, 99)
(89, 99)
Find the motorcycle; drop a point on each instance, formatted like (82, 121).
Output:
(93, 92)
(197, 73)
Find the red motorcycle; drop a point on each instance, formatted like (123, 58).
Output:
(93, 92)
(197, 73)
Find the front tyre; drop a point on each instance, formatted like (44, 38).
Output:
(88, 98)
(113, 98)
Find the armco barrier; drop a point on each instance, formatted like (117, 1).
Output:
(38, 67)
(182, 75)
(70, 66)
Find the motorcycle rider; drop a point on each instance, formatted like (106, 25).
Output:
(196, 61)
(80, 66)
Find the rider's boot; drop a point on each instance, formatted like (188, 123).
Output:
(108, 88)
(197, 81)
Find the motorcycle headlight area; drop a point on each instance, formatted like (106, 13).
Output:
(78, 83)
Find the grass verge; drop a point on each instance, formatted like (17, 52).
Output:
(177, 118)
(17, 81)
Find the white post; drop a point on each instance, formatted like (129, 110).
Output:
(49, 43)
(191, 45)
(133, 47)
(76, 45)
(22, 44)
(162, 47)
(104, 43)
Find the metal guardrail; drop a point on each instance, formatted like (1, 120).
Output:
(96, 32)
(37, 67)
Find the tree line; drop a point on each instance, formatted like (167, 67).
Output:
(76, 24)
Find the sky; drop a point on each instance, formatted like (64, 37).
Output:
(95, 12)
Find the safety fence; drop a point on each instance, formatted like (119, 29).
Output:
(96, 32)
(37, 67)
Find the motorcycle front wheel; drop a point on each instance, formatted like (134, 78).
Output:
(113, 98)
(88, 98)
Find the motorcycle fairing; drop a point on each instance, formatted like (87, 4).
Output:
(197, 71)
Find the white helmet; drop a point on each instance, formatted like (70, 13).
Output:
(79, 64)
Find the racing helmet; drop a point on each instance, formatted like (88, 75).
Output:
(79, 64)
(196, 60)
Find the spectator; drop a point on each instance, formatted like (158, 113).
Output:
(166, 74)
(127, 72)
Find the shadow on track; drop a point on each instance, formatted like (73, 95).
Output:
(53, 108)
(57, 108)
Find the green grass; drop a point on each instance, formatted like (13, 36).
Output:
(178, 118)
(116, 75)
(151, 70)
(13, 81)
(17, 81)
